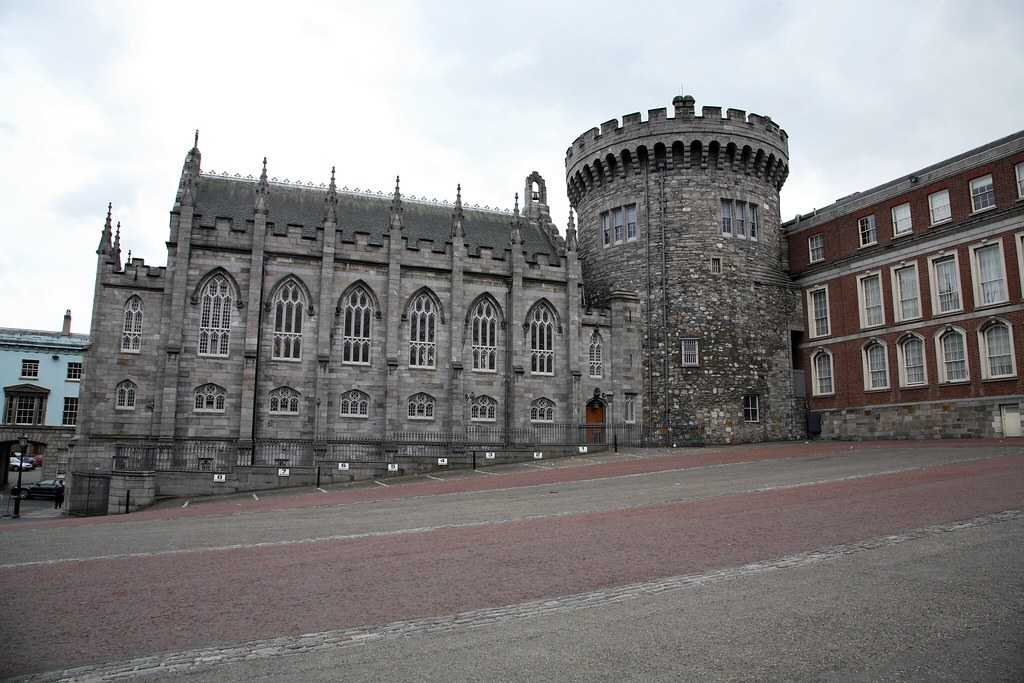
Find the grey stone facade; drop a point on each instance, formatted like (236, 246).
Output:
(926, 420)
(258, 236)
(740, 309)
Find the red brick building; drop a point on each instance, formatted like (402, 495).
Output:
(914, 302)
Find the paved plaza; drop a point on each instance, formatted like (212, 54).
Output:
(820, 561)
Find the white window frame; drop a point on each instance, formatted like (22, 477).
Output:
(483, 323)
(897, 291)
(695, 353)
(811, 320)
(872, 226)
(542, 341)
(753, 221)
(940, 356)
(428, 402)
(284, 396)
(976, 273)
(357, 342)
(816, 380)
(631, 231)
(992, 191)
(725, 224)
(213, 331)
(354, 398)
(1019, 241)
(596, 355)
(27, 363)
(1019, 172)
(77, 365)
(934, 282)
(716, 265)
(811, 248)
(901, 360)
(606, 228)
(69, 401)
(983, 357)
(629, 410)
(210, 390)
(288, 317)
(424, 320)
(932, 207)
(895, 222)
(483, 409)
(864, 353)
(751, 408)
(864, 325)
(739, 219)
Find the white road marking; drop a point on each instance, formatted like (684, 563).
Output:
(539, 467)
(430, 476)
(324, 641)
(486, 472)
(378, 481)
(185, 504)
(255, 497)
(320, 490)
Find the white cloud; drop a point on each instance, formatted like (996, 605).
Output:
(102, 99)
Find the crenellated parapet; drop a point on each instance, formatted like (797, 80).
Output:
(135, 273)
(748, 144)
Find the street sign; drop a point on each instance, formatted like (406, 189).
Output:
(392, 467)
(489, 455)
(220, 478)
(537, 455)
(442, 461)
(583, 449)
(342, 465)
(283, 472)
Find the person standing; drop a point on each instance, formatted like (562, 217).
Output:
(58, 496)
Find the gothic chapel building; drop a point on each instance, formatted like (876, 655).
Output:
(292, 311)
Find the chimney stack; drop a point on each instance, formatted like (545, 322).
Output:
(66, 330)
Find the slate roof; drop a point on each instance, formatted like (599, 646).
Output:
(222, 197)
(15, 337)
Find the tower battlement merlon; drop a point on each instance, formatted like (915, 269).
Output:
(735, 121)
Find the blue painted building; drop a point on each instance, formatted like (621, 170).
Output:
(40, 373)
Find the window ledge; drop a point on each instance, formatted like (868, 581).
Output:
(421, 419)
(829, 395)
(869, 244)
(29, 379)
(953, 383)
(873, 327)
(485, 371)
(124, 408)
(130, 351)
(349, 362)
(897, 235)
(915, 319)
(942, 222)
(209, 412)
(354, 417)
(1001, 378)
(421, 367)
(992, 304)
(876, 390)
(269, 412)
(478, 420)
(936, 314)
(911, 387)
(987, 208)
(285, 360)
(76, 381)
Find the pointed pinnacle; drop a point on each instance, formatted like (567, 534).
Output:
(110, 206)
(572, 222)
(264, 173)
(195, 143)
(516, 209)
(458, 194)
(397, 193)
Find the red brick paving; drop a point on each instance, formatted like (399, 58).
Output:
(113, 609)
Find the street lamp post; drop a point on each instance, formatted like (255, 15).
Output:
(22, 447)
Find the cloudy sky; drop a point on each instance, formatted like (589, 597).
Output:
(100, 100)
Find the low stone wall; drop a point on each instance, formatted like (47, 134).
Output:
(131, 491)
(933, 420)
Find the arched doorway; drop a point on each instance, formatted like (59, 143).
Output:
(594, 418)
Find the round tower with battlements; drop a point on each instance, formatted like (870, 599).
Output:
(685, 210)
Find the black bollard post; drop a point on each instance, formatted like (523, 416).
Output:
(615, 441)
(127, 500)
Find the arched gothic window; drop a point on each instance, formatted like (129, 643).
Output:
(284, 401)
(355, 403)
(358, 307)
(542, 410)
(952, 345)
(288, 304)
(125, 393)
(215, 318)
(911, 360)
(483, 409)
(422, 332)
(131, 337)
(209, 398)
(596, 353)
(421, 407)
(822, 383)
(542, 341)
(485, 337)
(997, 350)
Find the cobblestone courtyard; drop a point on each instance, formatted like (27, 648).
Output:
(807, 561)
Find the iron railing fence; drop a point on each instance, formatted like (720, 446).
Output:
(218, 455)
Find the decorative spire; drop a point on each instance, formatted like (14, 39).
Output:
(117, 247)
(105, 247)
(262, 192)
(458, 217)
(396, 208)
(190, 171)
(331, 201)
(570, 233)
(195, 144)
(517, 223)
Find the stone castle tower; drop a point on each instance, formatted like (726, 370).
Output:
(685, 211)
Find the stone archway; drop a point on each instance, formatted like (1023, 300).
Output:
(595, 419)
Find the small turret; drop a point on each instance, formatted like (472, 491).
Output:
(331, 201)
(105, 246)
(396, 209)
(262, 203)
(458, 217)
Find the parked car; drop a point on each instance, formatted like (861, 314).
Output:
(40, 489)
(21, 463)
